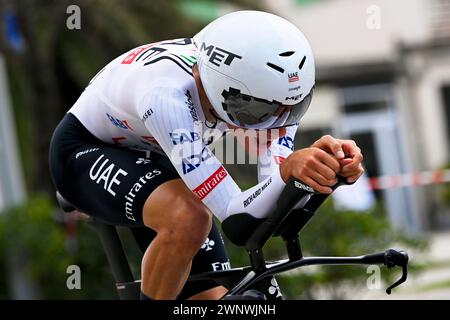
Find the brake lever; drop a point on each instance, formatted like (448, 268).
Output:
(397, 258)
(399, 281)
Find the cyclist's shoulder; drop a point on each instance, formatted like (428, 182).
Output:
(172, 101)
(142, 67)
(176, 57)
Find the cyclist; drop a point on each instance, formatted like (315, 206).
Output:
(131, 151)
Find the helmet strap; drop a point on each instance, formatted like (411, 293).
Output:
(215, 115)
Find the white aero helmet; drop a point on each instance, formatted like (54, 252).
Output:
(257, 69)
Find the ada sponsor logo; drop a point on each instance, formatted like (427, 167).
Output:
(208, 245)
(209, 184)
(123, 124)
(147, 114)
(190, 105)
(193, 162)
(286, 142)
(182, 136)
(82, 153)
(256, 193)
(293, 77)
(135, 189)
(300, 185)
(216, 55)
(108, 174)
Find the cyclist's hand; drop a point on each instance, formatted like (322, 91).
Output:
(313, 166)
(348, 154)
(351, 166)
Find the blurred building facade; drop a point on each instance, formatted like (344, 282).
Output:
(383, 79)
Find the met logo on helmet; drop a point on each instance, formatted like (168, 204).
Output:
(217, 55)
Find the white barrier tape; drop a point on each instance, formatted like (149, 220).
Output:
(410, 179)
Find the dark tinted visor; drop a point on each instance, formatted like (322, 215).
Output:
(250, 112)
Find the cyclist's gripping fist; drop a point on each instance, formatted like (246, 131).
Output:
(318, 165)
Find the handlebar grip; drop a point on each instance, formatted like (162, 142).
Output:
(390, 258)
(341, 181)
(375, 258)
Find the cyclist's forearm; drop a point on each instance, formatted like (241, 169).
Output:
(259, 200)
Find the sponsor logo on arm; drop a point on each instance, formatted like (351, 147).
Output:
(211, 183)
(279, 159)
(287, 142)
(192, 162)
(256, 193)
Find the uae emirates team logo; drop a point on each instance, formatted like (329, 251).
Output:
(293, 77)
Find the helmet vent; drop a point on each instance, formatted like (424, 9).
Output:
(302, 63)
(287, 54)
(273, 66)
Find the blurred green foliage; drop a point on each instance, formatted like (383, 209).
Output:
(31, 232)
